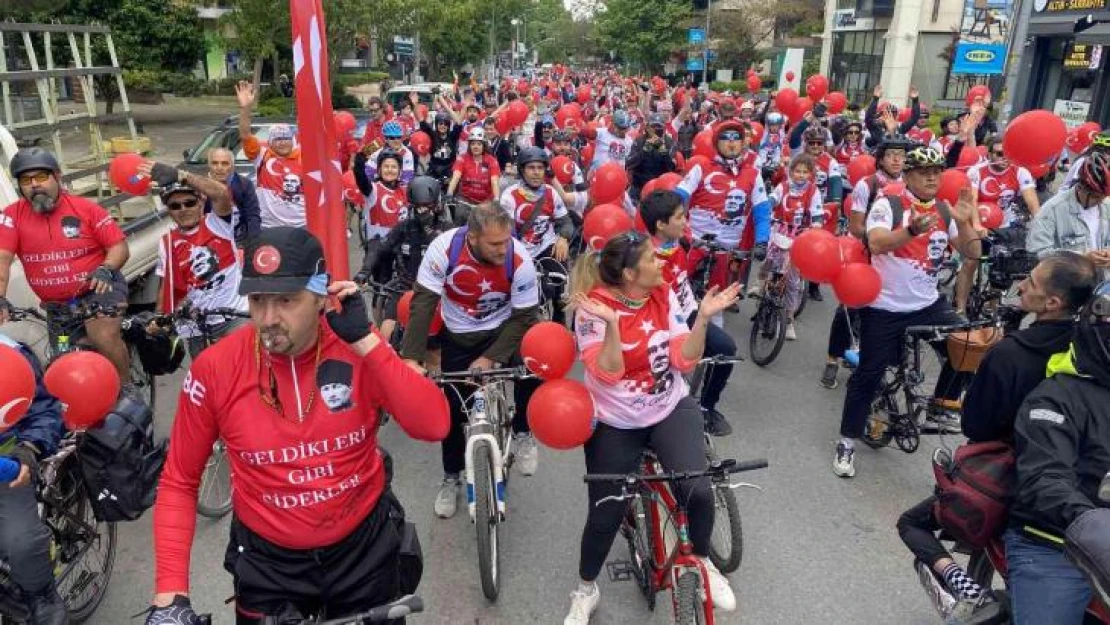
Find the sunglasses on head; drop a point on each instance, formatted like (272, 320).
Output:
(173, 206)
(731, 135)
(631, 240)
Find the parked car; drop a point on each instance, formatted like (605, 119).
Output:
(425, 91)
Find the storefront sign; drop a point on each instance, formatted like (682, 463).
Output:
(979, 58)
(846, 19)
(1072, 112)
(984, 37)
(1082, 56)
(1059, 6)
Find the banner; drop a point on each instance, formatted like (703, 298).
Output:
(322, 177)
(985, 33)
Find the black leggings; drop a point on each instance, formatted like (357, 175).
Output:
(679, 444)
(918, 528)
(840, 333)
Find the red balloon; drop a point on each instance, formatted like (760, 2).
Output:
(951, 181)
(858, 285)
(836, 102)
(124, 172)
(570, 113)
(1034, 137)
(1080, 137)
(548, 350)
(1039, 171)
(816, 254)
(968, 158)
(583, 94)
(563, 168)
(602, 223)
(904, 115)
(703, 145)
(608, 184)
(343, 122)
(990, 215)
(978, 91)
(816, 87)
(860, 167)
(517, 112)
(789, 75)
(561, 414)
(87, 384)
(649, 187)
(757, 133)
(785, 100)
(588, 153)
(801, 107)
(17, 386)
(851, 250)
(404, 310)
(503, 124)
(754, 83)
(420, 143)
(422, 111)
(669, 181)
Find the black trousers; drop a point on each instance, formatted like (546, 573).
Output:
(918, 528)
(717, 343)
(840, 332)
(680, 445)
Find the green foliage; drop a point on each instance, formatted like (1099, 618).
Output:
(275, 107)
(644, 32)
(736, 86)
(362, 78)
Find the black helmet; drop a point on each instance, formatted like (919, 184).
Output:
(388, 153)
(531, 154)
(442, 117)
(33, 159)
(424, 190)
(176, 187)
(814, 133)
(922, 156)
(1092, 336)
(892, 142)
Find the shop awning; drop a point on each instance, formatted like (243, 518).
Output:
(1097, 34)
(1053, 25)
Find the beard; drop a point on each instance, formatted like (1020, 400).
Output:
(41, 202)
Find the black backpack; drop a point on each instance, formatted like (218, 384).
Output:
(121, 463)
(896, 210)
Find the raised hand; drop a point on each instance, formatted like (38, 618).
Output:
(595, 308)
(964, 210)
(244, 92)
(717, 300)
(913, 92)
(877, 92)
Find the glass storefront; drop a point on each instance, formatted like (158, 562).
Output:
(857, 63)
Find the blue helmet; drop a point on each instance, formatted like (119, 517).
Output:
(621, 119)
(774, 119)
(392, 130)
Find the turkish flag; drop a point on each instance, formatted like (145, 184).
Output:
(322, 179)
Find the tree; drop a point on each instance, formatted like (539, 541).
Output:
(646, 32)
(253, 28)
(741, 36)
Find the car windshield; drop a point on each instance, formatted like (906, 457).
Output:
(397, 98)
(228, 137)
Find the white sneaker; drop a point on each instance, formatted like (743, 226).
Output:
(844, 463)
(756, 289)
(791, 335)
(723, 597)
(582, 605)
(447, 498)
(527, 453)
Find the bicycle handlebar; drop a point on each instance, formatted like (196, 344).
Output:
(949, 329)
(405, 606)
(721, 359)
(19, 314)
(717, 469)
(516, 373)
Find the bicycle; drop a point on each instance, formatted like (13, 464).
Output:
(652, 565)
(900, 406)
(489, 459)
(769, 322)
(399, 609)
(553, 278)
(703, 273)
(457, 209)
(356, 221)
(76, 537)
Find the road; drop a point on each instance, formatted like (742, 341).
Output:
(817, 548)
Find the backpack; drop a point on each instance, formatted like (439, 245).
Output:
(120, 462)
(896, 211)
(458, 240)
(974, 490)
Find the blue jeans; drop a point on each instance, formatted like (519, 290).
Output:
(1047, 589)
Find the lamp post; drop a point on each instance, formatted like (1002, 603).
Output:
(705, 59)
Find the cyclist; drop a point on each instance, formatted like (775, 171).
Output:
(951, 128)
(25, 541)
(612, 143)
(1099, 143)
(1000, 181)
(851, 145)
(378, 117)
(664, 216)
(1054, 292)
(1061, 448)
(71, 250)
(294, 396)
(445, 141)
(394, 136)
(277, 166)
(538, 209)
(652, 155)
(921, 133)
(727, 199)
(477, 171)
(197, 260)
(500, 147)
(385, 197)
(907, 249)
(245, 218)
(1079, 218)
(486, 283)
(635, 345)
(771, 144)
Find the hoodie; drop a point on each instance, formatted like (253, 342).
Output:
(1009, 372)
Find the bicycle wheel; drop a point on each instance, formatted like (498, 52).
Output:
(802, 300)
(688, 606)
(768, 333)
(486, 521)
(214, 496)
(86, 548)
(143, 381)
(641, 548)
(726, 545)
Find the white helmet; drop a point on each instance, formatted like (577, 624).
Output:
(476, 134)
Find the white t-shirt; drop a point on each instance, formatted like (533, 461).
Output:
(206, 266)
(909, 273)
(1091, 216)
(610, 148)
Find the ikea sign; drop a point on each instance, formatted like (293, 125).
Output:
(979, 58)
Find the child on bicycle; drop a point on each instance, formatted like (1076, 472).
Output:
(635, 345)
(798, 207)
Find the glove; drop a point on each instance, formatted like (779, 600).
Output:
(163, 174)
(180, 612)
(103, 274)
(352, 324)
(759, 252)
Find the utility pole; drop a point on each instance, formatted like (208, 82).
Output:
(705, 59)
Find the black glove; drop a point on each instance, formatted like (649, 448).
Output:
(352, 324)
(163, 174)
(180, 612)
(27, 456)
(102, 274)
(759, 252)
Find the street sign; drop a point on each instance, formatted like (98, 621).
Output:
(712, 55)
(695, 64)
(696, 36)
(404, 46)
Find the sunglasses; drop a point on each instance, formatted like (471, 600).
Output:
(852, 132)
(173, 206)
(36, 178)
(375, 110)
(998, 153)
(730, 135)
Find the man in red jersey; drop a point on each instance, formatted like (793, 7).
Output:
(295, 397)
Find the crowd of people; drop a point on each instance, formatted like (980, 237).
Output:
(462, 198)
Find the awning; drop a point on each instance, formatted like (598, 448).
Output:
(1099, 33)
(1053, 25)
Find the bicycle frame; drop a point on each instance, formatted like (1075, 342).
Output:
(481, 428)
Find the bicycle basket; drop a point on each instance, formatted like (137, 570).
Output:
(967, 348)
(161, 354)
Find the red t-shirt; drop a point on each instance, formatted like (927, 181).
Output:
(476, 184)
(304, 480)
(61, 248)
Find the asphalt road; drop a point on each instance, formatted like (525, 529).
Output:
(818, 549)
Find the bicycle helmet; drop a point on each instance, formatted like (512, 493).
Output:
(476, 134)
(774, 118)
(386, 153)
(392, 130)
(33, 159)
(621, 119)
(923, 157)
(177, 187)
(729, 124)
(1092, 336)
(814, 133)
(531, 154)
(656, 119)
(892, 142)
(442, 118)
(565, 135)
(424, 190)
(1095, 173)
(1101, 141)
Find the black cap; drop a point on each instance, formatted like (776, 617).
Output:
(283, 260)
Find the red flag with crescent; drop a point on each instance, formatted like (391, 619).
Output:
(322, 179)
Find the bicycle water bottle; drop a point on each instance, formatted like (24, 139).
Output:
(851, 356)
(9, 470)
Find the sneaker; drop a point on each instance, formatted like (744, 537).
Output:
(844, 464)
(527, 454)
(986, 609)
(582, 605)
(48, 608)
(828, 378)
(447, 497)
(815, 292)
(791, 335)
(941, 423)
(723, 597)
(942, 600)
(715, 423)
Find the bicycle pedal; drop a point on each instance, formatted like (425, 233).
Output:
(620, 570)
